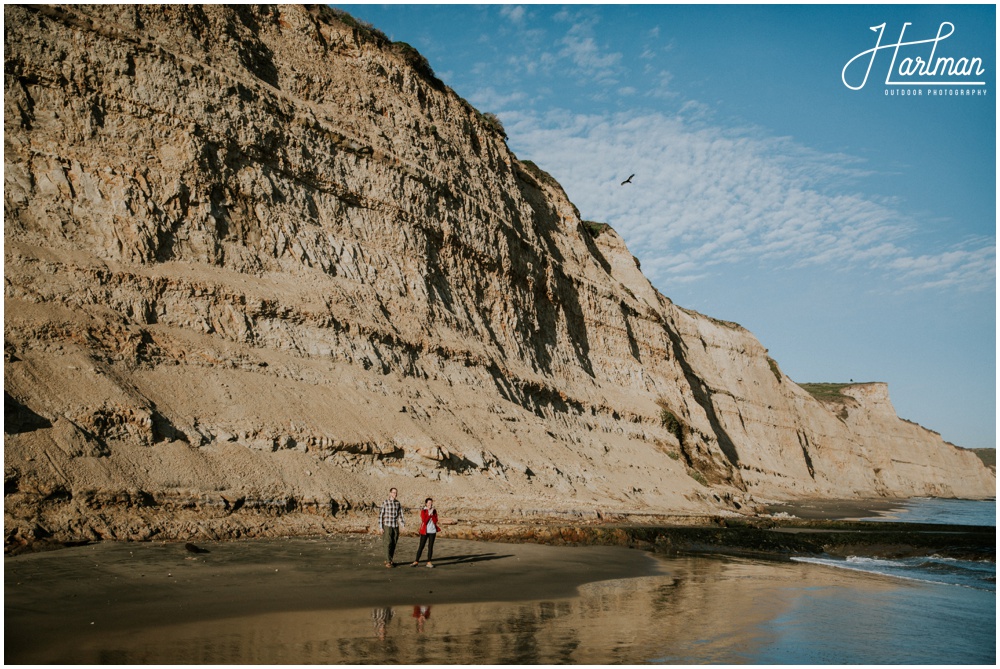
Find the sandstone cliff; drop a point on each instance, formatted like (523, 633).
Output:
(261, 264)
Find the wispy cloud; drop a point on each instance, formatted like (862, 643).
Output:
(591, 61)
(567, 48)
(707, 196)
(513, 13)
(956, 267)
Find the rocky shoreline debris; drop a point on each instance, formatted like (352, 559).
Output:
(767, 538)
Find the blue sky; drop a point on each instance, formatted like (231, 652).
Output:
(853, 232)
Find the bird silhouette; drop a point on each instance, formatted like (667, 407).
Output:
(629, 180)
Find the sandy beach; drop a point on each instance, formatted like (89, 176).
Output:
(55, 597)
(835, 509)
(330, 600)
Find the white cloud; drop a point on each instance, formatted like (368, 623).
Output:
(588, 60)
(585, 53)
(589, 63)
(490, 99)
(704, 197)
(957, 267)
(514, 13)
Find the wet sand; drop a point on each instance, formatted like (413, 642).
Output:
(52, 597)
(330, 600)
(836, 509)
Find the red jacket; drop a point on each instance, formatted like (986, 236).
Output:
(425, 516)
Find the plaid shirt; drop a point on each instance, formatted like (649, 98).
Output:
(391, 514)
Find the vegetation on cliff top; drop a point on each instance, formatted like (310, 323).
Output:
(492, 121)
(414, 58)
(408, 53)
(774, 368)
(595, 229)
(540, 174)
(826, 392)
(987, 455)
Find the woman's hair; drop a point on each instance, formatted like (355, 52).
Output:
(428, 500)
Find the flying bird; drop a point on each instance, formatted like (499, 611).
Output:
(629, 180)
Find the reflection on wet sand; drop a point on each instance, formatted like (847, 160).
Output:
(421, 613)
(381, 616)
(703, 611)
(328, 600)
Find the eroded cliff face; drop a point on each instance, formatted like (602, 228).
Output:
(261, 265)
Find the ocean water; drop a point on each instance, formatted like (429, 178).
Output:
(943, 512)
(941, 610)
(978, 575)
(946, 571)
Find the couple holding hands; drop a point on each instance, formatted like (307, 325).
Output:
(390, 521)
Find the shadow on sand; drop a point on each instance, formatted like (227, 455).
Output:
(460, 559)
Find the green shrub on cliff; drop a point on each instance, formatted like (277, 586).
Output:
(987, 455)
(419, 63)
(413, 58)
(326, 13)
(670, 422)
(826, 392)
(492, 121)
(539, 174)
(595, 228)
(774, 368)
(697, 476)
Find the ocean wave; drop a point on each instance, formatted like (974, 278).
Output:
(875, 562)
(966, 574)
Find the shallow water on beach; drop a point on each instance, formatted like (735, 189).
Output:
(942, 512)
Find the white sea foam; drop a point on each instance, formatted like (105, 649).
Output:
(980, 576)
(874, 562)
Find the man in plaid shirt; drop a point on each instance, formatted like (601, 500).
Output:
(390, 520)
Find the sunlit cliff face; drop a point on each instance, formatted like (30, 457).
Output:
(260, 263)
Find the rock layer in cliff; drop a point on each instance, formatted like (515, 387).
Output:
(261, 264)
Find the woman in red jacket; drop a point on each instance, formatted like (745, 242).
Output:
(428, 530)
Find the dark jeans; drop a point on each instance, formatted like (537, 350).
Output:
(390, 535)
(429, 540)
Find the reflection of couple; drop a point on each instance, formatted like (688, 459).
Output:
(381, 617)
(421, 613)
(380, 620)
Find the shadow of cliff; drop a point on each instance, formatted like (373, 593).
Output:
(554, 292)
(18, 418)
(534, 397)
(254, 55)
(702, 395)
